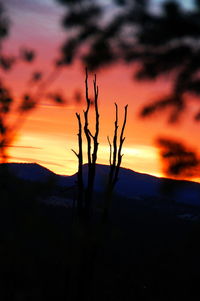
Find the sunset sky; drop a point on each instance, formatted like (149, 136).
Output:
(49, 133)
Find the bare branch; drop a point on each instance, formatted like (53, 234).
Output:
(120, 145)
(114, 167)
(75, 152)
(115, 137)
(124, 123)
(114, 159)
(86, 130)
(91, 139)
(80, 167)
(92, 136)
(96, 95)
(86, 90)
(110, 145)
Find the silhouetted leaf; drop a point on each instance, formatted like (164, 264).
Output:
(4, 23)
(101, 55)
(171, 9)
(6, 62)
(194, 87)
(57, 97)
(78, 97)
(178, 159)
(197, 117)
(5, 99)
(81, 17)
(2, 127)
(36, 76)
(121, 2)
(28, 55)
(69, 50)
(70, 2)
(156, 106)
(28, 103)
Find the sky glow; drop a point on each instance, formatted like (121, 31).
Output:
(50, 132)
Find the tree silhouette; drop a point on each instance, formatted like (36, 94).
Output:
(115, 161)
(88, 232)
(85, 201)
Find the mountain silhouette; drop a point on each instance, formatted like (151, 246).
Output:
(131, 184)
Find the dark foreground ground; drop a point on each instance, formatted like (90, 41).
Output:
(145, 252)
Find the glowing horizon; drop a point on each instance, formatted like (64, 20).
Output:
(50, 131)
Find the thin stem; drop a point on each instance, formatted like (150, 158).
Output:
(110, 145)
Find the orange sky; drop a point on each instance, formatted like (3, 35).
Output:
(49, 133)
